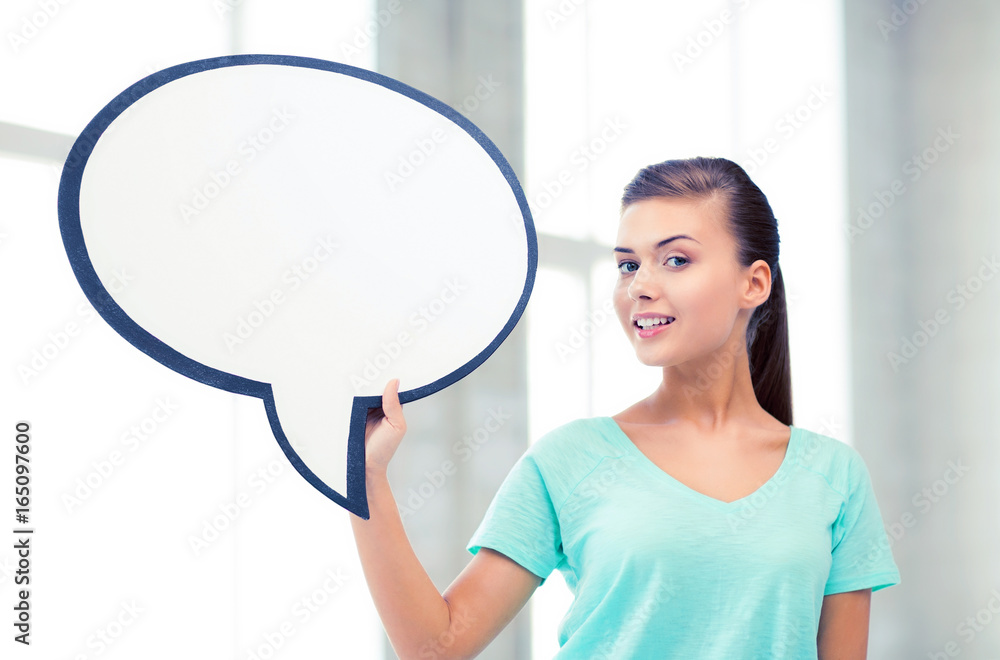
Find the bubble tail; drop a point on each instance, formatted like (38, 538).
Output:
(347, 472)
(357, 491)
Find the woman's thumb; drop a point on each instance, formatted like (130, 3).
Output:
(390, 403)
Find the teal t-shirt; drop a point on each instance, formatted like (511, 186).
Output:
(659, 570)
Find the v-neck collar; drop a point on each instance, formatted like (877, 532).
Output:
(619, 436)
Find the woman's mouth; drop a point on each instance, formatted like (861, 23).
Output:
(647, 327)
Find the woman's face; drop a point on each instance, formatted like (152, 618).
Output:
(677, 260)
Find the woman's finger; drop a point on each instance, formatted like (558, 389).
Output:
(390, 403)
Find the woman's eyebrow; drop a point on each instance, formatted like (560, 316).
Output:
(658, 245)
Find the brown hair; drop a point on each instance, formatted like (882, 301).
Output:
(755, 229)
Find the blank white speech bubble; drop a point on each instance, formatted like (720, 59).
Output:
(301, 231)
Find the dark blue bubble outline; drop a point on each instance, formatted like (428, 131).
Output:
(71, 229)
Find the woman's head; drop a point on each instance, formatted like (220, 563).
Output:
(723, 274)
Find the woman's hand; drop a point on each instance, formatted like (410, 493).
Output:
(419, 620)
(384, 429)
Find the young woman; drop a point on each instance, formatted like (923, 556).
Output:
(698, 523)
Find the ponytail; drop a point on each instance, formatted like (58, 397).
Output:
(767, 344)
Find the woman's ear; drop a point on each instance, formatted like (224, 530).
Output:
(758, 283)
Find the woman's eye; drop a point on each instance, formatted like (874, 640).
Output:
(623, 267)
(675, 257)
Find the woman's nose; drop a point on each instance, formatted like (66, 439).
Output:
(639, 287)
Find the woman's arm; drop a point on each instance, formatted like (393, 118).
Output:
(843, 626)
(420, 622)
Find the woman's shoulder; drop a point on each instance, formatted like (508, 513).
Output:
(574, 429)
(566, 454)
(837, 462)
(583, 438)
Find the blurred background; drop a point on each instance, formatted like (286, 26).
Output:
(169, 523)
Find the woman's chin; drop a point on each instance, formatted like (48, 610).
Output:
(651, 358)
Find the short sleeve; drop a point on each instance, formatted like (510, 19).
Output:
(862, 555)
(521, 521)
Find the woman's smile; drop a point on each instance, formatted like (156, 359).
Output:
(651, 324)
(652, 330)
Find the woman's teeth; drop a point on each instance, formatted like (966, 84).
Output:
(650, 322)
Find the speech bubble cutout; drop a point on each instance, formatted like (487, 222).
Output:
(301, 231)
